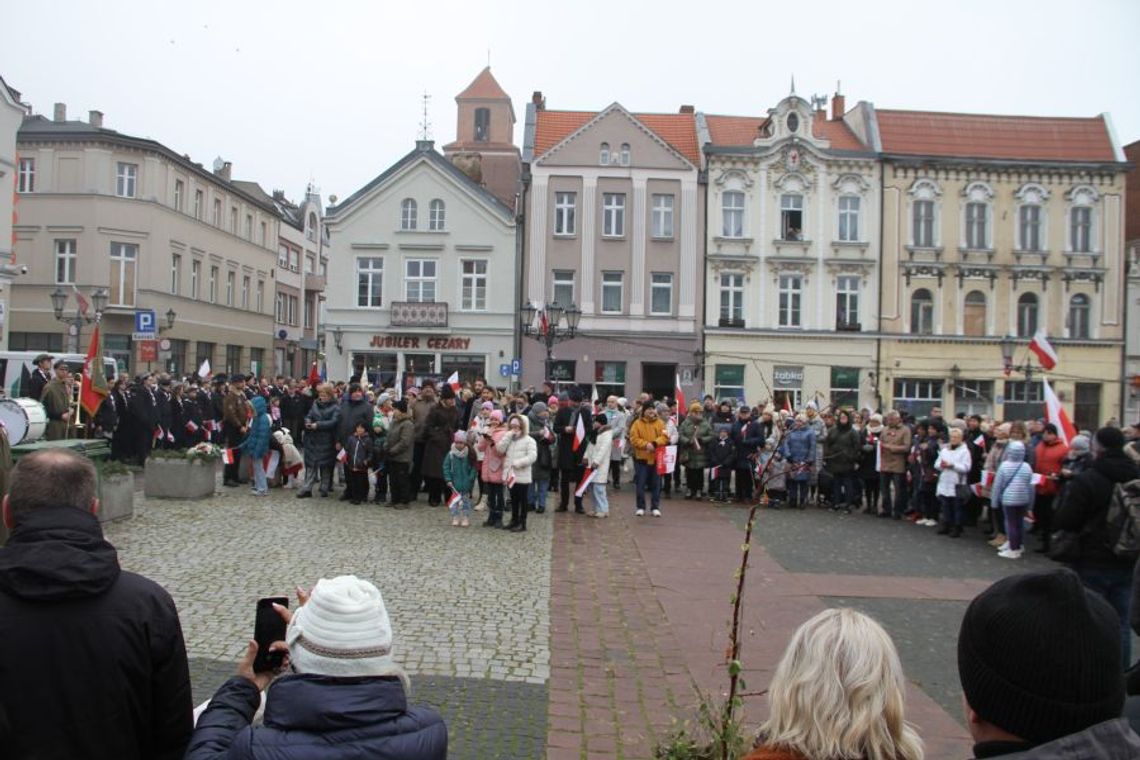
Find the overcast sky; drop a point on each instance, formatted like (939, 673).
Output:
(332, 91)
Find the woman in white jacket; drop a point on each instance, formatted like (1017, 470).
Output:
(519, 452)
(599, 460)
(953, 465)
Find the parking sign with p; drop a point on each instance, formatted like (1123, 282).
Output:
(145, 321)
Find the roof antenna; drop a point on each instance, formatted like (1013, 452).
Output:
(425, 125)
(793, 92)
(838, 87)
(488, 57)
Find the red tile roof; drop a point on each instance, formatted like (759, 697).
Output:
(742, 130)
(925, 133)
(484, 87)
(679, 130)
(840, 135)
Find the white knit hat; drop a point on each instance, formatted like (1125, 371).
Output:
(343, 630)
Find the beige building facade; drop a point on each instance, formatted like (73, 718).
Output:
(105, 210)
(12, 112)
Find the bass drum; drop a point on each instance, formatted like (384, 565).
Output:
(24, 419)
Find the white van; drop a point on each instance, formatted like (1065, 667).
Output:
(16, 368)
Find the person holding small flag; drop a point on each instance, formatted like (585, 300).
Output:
(357, 455)
(694, 439)
(459, 475)
(319, 444)
(494, 466)
(598, 463)
(571, 429)
(236, 410)
(255, 444)
(646, 435)
(543, 435)
(519, 453)
(1048, 456)
(721, 459)
(144, 416)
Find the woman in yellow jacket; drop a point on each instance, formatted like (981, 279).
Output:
(645, 435)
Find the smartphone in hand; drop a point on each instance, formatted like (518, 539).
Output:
(268, 627)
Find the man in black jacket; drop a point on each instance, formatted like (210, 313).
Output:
(1083, 511)
(93, 663)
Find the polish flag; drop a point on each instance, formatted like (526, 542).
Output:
(579, 434)
(342, 455)
(788, 403)
(594, 398)
(1045, 353)
(980, 442)
(510, 481)
(714, 472)
(81, 301)
(314, 376)
(453, 502)
(988, 478)
(158, 433)
(229, 456)
(979, 490)
(453, 381)
(679, 394)
(543, 323)
(1056, 414)
(584, 483)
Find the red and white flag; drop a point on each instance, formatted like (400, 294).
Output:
(979, 490)
(988, 478)
(191, 426)
(453, 381)
(454, 501)
(980, 441)
(1056, 414)
(579, 433)
(788, 403)
(584, 483)
(543, 323)
(679, 394)
(229, 456)
(714, 472)
(158, 433)
(510, 479)
(1045, 354)
(594, 398)
(81, 301)
(342, 455)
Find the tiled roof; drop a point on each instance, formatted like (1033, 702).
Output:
(484, 87)
(840, 135)
(679, 130)
(925, 133)
(742, 130)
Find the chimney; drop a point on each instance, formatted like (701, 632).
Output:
(225, 170)
(838, 106)
(95, 119)
(278, 195)
(538, 100)
(687, 109)
(61, 112)
(425, 146)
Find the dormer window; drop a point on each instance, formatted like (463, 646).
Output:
(625, 154)
(482, 124)
(604, 154)
(793, 122)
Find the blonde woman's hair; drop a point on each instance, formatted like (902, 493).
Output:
(838, 693)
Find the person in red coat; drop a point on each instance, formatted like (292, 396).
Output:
(1049, 457)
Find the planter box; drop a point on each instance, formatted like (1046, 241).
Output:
(116, 497)
(179, 478)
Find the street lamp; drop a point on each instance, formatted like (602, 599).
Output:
(549, 330)
(171, 315)
(1008, 345)
(338, 337)
(75, 323)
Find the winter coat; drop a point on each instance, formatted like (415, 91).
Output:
(868, 456)
(256, 441)
(1012, 484)
(774, 469)
(518, 453)
(56, 400)
(722, 453)
(599, 456)
(544, 439)
(291, 459)
(799, 451)
(493, 459)
(1086, 507)
(235, 410)
(93, 662)
(568, 458)
(351, 413)
(438, 431)
(642, 432)
(420, 411)
(842, 450)
(359, 454)
(1049, 457)
(696, 436)
(319, 443)
(311, 717)
(1110, 740)
(748, 437)
(896, 442)
(618, 423)
(401, 441)
(960, 463)
(458, 470)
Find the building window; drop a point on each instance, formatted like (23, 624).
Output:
(729, 382)
(279, 304)
(231, 285)
(661, 293)
(1086, 406)
(264, 234)
(662, 216)
(218, 213)
(124, 256)
(419, 280)
(26, 176)
(923, 224)
(249, 227)
(563, 293)
(792, 216)
(1079, 307)
(260, 296)
(609, 379)
(176, 365)
(310, 265)
(564, 207)
(283, 256)
(731, 299)
(126, 175)
(195, 279)
(974, 397)
(844, 387)
(233, 220)
(408, 214)
(213, 284)
(199, 201)
(613, 214)
(1080, 229)
(482, 125)
(65, 262)
(604, 154)
(1024, 400)
(257, 361)
(612, 296)
(625, 154)
(245, 292)
(790, 293)
(473, 289)
(918, 397)
(436, 215)
(974, 314)
(849, 218)
(922, 311)
(732, 213)
(310, 303)
(1029, 227)
(1026, 315)
(233, 359)
(175, 273)
(204, 351)
(291, 310)
(977, 237)
(370, 281)
(847, 302)
(179, 186)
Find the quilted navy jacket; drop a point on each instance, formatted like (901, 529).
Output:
(311, 716)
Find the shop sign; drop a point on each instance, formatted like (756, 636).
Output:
(415, 342)
(148, 350)
(788, 377)
(562, 371)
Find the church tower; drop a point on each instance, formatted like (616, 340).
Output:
(484, 144)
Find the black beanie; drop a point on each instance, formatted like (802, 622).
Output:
(401, 405)
(446, 391)
(1110, 438)
(1039, 656)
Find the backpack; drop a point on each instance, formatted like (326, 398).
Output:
(1123, 520)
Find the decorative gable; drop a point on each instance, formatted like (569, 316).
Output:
(615, 138)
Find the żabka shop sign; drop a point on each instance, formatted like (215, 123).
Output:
(415, 342)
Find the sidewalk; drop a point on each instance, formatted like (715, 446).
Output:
(639, 618)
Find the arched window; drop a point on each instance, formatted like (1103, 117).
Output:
(408, 214)
(1026, 315)
(625, 154)
(436, 215)
(1079, 308)
(974, 314)
(922, 312)
(604, 155)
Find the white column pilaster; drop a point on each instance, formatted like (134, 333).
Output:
(589, 238)
(691, 269)
(536, 255)
(637, 275)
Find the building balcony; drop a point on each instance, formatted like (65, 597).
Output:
(725, 322)
(314, 283)
(418, 314)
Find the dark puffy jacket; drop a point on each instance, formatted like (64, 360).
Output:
(748, 438)
(318, 718)
(401, 439)
(567, 457)
(439, 429)
(256, 442)
(351, 413)
(1086, 505)
(842, 450)
(722, 454)
(93, 663)
(319, 443)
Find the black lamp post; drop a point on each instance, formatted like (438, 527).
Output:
(1008, 345)
(549, 329)
(75, 323)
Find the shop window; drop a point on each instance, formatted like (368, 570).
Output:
(729, 382)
